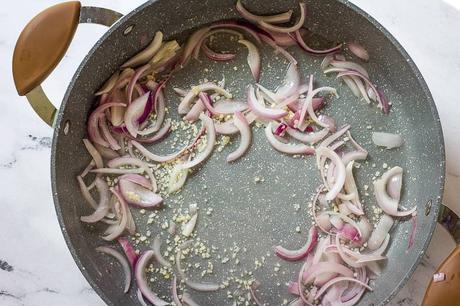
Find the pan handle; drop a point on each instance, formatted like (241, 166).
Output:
(446, 292)
(43, 43)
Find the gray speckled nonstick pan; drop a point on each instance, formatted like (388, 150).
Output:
(256, 216)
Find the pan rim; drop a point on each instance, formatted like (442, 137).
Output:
(416, 72)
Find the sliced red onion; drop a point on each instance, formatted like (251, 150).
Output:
(337, 222)
(114, 231)
(184, 105)
(133, 82)
(351, 83)
(106, 153)
(138, 195)
(103, 206)
(306, 48)
(246, 136)
(164, 130)
(121, 161)
(326, 142)
(94, 153)
(175, 297)
(394, 186)
(229, 128)
(278, 18)
(280, 130)
(293, 255)
(194, 113)
(159, 101)
(145, 55)
(366, 229)
(305, 297)
(156, 247)
(141, 279)
(326, 286)
(180, 91)
(215, 56)
(293, 28)
(350, 188)
(358, 50)
(93, 129)
(386, 203)
(129, 251)
(252, 291)
(341, 173)
(329, 121)
(413, 231)
(277, 49)
(192, 43)
(257, 106)
(117, 171)
(286, 147)
(325, 267)
(140, 298)
(108, 135)
(109, 84)
(293, 288)
(350, 66)
(229, 106)
(241, 25)
(134, 112)
(387, 140)
(285, 40)
(123, 262)
(291, 83)
(86, 194)
(253, 58)
(380, 232)
(308, 105)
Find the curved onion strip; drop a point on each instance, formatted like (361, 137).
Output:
(387, 140)
(350, 188)
(341, 173)
(106, 153)
(304, 297)
(309, 106)
(252, 292)
(258, 108)
(156, 247)
(385, 202)
(133, 82)
(325, 267)
(253, 58)
(140, 298)
(130, 253)
(208, 124)
(94, 153)
(108, 135)
(278, 18)
(229, 128)
(380, 232)
(177, 178)
(215, 56)
(187, 228)
(123, 262)
(205, 287)
(194, 113)
(326, 142)
(245, 141)
(159, 102)
(85, 192)
(295, 27)
(162, 132)
(174, 295)
(103, 206)
(302, 252)
(180, 91)
(336, 280)
(310, 138)
(134, 112)
(192, 43)
(350, 66)
(279, 49)
(352, 85)
(117, 229)
(291, 83)
(125, 160)
(184, 105)
(245, 26)
(229, 106)
(394, 186)
(141, 280)
(145, 55)
(358, 50)
(306, 48)
(138, 195)
(118, 171)
(109, 84)
(285, 40)
(93, 129)
(286, 147)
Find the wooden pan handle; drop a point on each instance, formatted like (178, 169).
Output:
(43, 43)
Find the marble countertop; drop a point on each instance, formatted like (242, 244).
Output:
(36, 267)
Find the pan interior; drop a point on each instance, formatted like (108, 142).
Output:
(262, 200)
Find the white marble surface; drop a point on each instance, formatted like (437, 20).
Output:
(37, 269)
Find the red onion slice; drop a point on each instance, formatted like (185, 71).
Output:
(325, 267)
(121, 161)
(358, 50)
(278, 49)
(306, 48)
(285, 40)
(116, 230)
(293, 255)
(310, 138)
(291, 83)
(387, 140)
(156, 247)
(253, 58)
(380, 232)
(141, 279)
(133, 82)
(117, 171)
(326, 286)
(246, 136)
(308, 105)
(106, 153)
(134, 112)
(252, 291)
(162, 132)
(192, 43)
(93, 129)
(385, 202)
(103, 206)
(184, 105)
(257, 106)
(347, 65)
(108, 85)
(145, 55)
(278, 18)
(159, 101)
(139, 196)
(293, 28)
(229, 106)
(341, 173)
(85, 192)
(245, 26)
(194, 113)
(107, 134)
(129, 251)
(94, 153)
(123, 262)
(215, 56)
(286, 147)
(175, 297)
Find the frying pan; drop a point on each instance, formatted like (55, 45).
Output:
(255, 216)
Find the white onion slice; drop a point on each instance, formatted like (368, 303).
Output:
(386, 203)
(123, 262)
(246, 136)
(145, 55)
(184, 105)
(293, 28)
(253, 58)
(286, 147)
(387, 140)
(141, 279)
(258, 108)
(380, 232)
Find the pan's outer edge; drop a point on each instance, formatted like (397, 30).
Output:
(437, 202)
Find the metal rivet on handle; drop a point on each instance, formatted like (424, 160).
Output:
(128, 29)
(66, 127)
